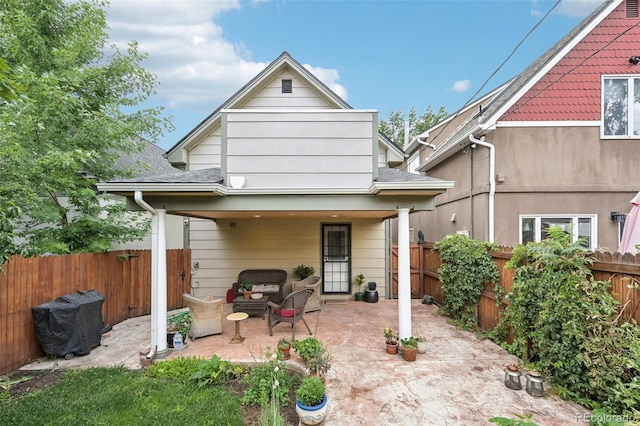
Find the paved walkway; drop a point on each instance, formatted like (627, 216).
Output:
(458, 381)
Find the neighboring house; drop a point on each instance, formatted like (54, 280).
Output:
(284, 173)
(557, 145)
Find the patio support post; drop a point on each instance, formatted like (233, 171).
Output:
(404, 275)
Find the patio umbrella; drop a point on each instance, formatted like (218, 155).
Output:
(631, 232)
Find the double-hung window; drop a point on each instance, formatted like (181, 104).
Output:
(533, 228)
(621, 106)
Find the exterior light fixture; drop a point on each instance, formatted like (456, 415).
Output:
(618, 217)
(512, 377)
(534, 385)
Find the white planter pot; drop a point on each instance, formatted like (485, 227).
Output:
(422, 347)
(312, 415)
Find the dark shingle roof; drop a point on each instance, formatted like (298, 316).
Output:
(391, 175)
(212, 175)
(148, 162)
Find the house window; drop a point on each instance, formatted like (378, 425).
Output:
(632, 8)
(534, 228)
(287, 86)
(621, 107)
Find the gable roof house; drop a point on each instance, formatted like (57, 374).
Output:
(558, 145)
(284, 173)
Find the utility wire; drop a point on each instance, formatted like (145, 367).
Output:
(576, 66)
(515, 49)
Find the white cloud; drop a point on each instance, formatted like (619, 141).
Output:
(573, 8)
(197, 67)
(578, 8)
(329, 77)
(461, 85)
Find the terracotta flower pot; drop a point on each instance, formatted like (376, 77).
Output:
(286, 352)
(409, 354)
(247, 294)
(392, 349)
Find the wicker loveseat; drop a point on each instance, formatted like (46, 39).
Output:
(269, 282)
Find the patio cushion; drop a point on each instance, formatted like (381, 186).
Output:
(269, 282)
(266, 288)
(287, 313)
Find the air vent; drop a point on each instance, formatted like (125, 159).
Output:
(287, 86)
(632, 8)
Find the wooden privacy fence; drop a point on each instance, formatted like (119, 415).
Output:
(620, 270)
(122, 277)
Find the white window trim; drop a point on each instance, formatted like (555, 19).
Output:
(630, 78)
(574, 225)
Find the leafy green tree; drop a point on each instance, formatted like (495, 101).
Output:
(68, 126)
(394, 127)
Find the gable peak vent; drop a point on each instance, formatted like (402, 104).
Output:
(287, 86)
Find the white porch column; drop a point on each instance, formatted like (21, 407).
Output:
(404, 275)
(161, 272)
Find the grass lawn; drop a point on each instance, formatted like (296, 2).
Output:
(116, 396)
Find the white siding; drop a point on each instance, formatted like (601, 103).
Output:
(207, 153)
(224, 248)
(301, 149)
(302, 96)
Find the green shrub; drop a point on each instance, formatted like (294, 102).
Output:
(566, 323)
(466, 267)
(216, 371)
(175, 369)
(268, 380)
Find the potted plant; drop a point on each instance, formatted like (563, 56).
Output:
(311, 400)
(303, 271)
(284, 346)
(391, 340)
(246, 287)
(422, 344)
(409, 348)
(359, 280)
(180, 322)
(306, 348)
(320, 362)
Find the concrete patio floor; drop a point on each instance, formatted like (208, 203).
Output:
(458, 381)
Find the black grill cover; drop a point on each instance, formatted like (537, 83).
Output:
(71, 324)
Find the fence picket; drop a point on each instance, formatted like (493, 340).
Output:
(125, 282)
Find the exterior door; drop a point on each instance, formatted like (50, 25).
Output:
(336, 259)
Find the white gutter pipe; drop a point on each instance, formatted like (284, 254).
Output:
(158, 275)
(492, 182)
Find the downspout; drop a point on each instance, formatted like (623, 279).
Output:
(492, 182)
(154, 267)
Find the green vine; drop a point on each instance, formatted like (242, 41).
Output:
(566, 324)
(466, 267)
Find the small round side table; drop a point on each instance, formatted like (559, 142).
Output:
(237, 317)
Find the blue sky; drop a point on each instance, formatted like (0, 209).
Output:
(384, 55)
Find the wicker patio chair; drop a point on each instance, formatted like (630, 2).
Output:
(291, 310)
(312, 282)
(206, 314)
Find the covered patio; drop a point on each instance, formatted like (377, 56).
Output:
(458, 381)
